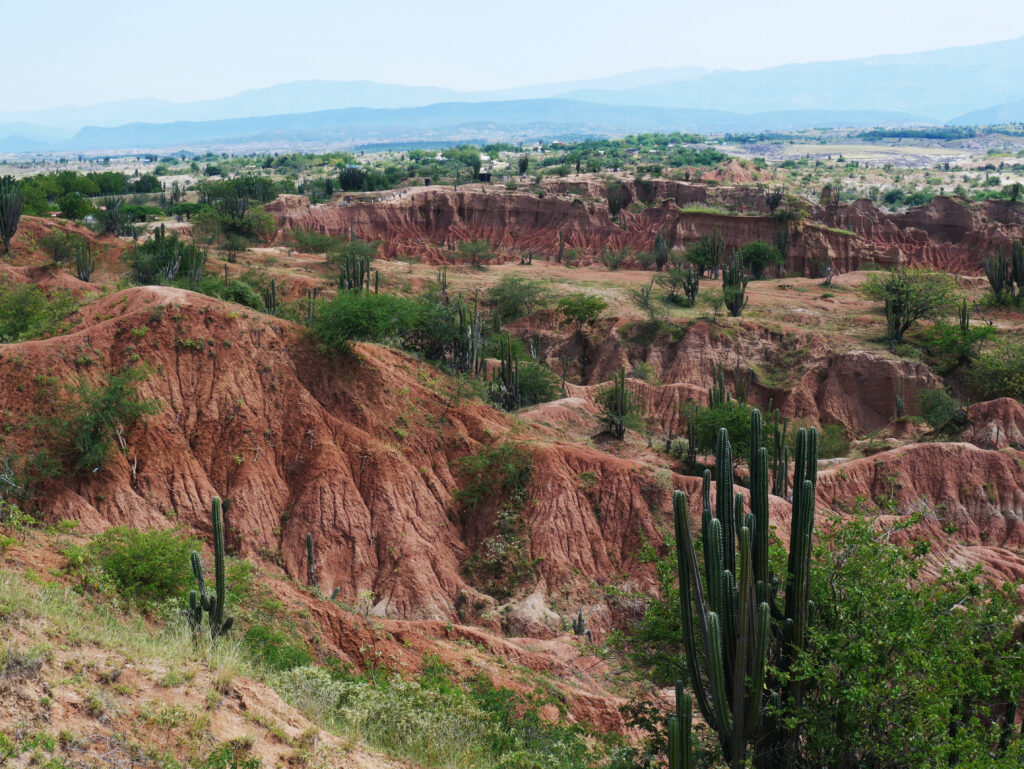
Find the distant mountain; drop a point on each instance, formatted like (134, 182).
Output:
(938, 84)
(1011, 112)
(318, 95)
(509, 120)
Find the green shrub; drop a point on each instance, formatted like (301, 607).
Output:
(581, 309)
(26, 312)
(360, 315)
(145, 566)
(832, 441)
(436, 721)
(732, 415)
(274, 650)
(515, 297)
(85, 420)
(758, 256)
(537, 383)
(999, 371)
(939, 409)
(309, 242)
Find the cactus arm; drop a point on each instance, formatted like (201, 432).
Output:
(689, 576)
(755, 691)
(717, 675)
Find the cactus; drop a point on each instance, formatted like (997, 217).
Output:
(680, 740)
(780, 462)
(505, 386)
(691, 284)
(617, 406)
(740, 628)
(85, 262)
(734, 286)
(270, 297)
(741, 379)
(718, 395)
(310, 561)
(660, 250)
(899, 396)
(10, 210)
(355, 273)
(579, 627)
(200, 601)
(334, 593)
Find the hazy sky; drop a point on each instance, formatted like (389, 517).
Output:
(86, 52)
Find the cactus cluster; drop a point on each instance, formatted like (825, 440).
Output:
(732, 623)
(579, 627)
(356, 274)
(504, 387)
(199, 601)
(1005, 273)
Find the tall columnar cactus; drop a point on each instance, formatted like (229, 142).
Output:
(691, 284)
(660, 250)
(731, 624)
(780, 460)
(718, 395)
(617, 406)
(10, 210)
(505, 386)
(200, 601)
(734, 286)
(270, 297)
(310, 561)
(355, 273)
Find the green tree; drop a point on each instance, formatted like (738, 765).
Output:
(581, 309)
(515, 297)
(74, 206)
(910, 294)
(475, 252)
(757, 256)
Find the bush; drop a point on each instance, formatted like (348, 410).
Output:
(913, 294)
(145, 566)
(274, 650)
(999, 372)
(84, 422)
(435, 721)
(832, 441)
(26, 312)
(734, 416)
(939, 409)
(758, 256)
(359, 315)
(537, 383)
(476, 252)
(581, 308)
(515, 297)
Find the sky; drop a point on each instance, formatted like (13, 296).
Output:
(88, 52)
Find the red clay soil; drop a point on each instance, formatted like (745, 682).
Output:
(947, 233)
(997, 424)
(816, 383)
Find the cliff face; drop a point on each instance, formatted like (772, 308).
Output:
(428, 222)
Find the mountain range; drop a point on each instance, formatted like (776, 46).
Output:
(978, 84)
